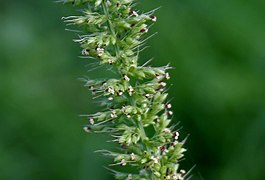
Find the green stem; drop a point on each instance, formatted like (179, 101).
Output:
(110, 26)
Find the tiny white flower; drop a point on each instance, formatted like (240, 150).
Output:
(168, 106)
(144, 30)
(129, 177)
(123, 162)
(180, 177)
(167, 130)
(163, 84)
(110, 90)
(159, 76)
(123, 108)
(130, 89)
(113, 114)
(144, 105)
(170, 113)
(87, 129)
(147, 95)
(100, 51)
(176, 135)
(155, 159)
(126, 78)
(153, 18)
(182, 171)
(167, 76)
(132, 156)
(91, 120)
(111, 61)
(134, 13)
(175, 143)
(157, 120)
(85, 52)
(175, 177)
(168, 177)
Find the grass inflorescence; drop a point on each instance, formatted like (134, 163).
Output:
(137, 113)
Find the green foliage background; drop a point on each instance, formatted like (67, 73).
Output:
(217, 49)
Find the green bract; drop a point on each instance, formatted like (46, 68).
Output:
(136, 101)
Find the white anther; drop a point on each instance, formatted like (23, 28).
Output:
(130, 88)
(168, 106)
(111, 61)
(176, 135)
(91, 120)
(113, 114)
(110, 90)
(144, 30)
(153, 18)
(168, 177)
(159, 77)
(175, 177)
(144, 105)
(175, 143)
(85, 52)
(132, 156)
(100, 51)
(170, 113)
(155, 159)
(163, 84)
(182, 171)
(134, 13)
(129, 177)
(126, 78)
(87, 129)
(167, 76)
(147, 95)
(123, 162)
(167, 130)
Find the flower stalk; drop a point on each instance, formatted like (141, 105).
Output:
(137, 115)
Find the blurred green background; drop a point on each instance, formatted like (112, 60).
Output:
(217, 49)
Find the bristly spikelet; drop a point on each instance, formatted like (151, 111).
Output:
(137, 100)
